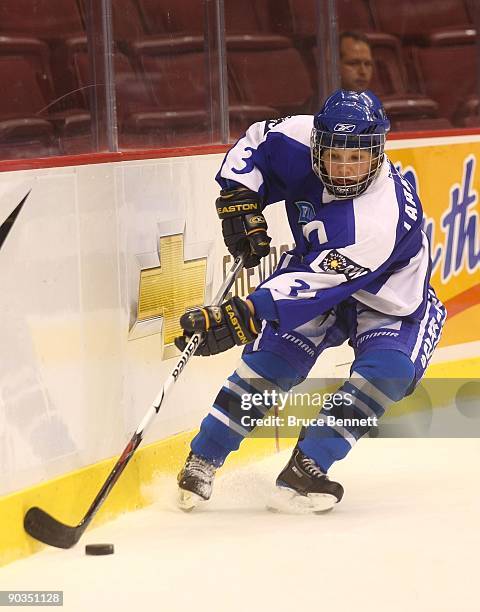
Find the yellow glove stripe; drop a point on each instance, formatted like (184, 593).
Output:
(252, 326)
(207, 318)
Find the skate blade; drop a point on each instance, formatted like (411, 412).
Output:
(187, 500)
(288, 501)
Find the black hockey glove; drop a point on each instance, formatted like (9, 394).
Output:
(243, 226)
(224, 326)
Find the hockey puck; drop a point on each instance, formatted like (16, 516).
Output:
(99, 549)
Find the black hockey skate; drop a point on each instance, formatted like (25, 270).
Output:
(303, 488)
(195, 482)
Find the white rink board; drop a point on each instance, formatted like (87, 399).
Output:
(72, 386)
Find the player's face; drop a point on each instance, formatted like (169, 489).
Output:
(356, 65)
(347, 166)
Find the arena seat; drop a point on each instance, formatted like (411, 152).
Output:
(181, 16)
(249, 16)
(406, 109)
(174, 73)
(130, 90)
(468, 112)
(141, 122)
(44, 19)
(355, 15)
(411, 19)
(127, 20)
(300, 20)
(351, 15)
(250, 59)
(389, 76)
(413, 108)
(415, 125)
(23, 115)
(438, 65)
(30, 106)
(174, 69)
(175, 66)
(389, 82)
(242, 115)
(53, 21)
(187, 17)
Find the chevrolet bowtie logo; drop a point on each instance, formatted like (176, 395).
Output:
(166, 291)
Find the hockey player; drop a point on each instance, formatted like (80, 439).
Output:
(360, 271)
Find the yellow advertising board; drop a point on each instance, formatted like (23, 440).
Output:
(447, 180)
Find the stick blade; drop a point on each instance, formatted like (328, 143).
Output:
(43, 527)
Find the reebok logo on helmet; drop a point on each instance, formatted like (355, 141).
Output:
(344, 127)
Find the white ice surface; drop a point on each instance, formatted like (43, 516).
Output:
(405, 538)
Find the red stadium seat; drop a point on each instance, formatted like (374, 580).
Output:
(248, 16)
(127, 20)
(27, 92)
(188, 17)
(439, 64)
(269, 71)
(390, 84)
(355, 15)
(468, 112)
(53, 21)
(31, 101)
(44, 19)
(243, 115)
(141, 121)
(412, 108)
(412, 19)
(351, 15)
(473, 121)
(389, 76)
(415, 125)
(24, 65)
(173, 72)
(181, 16)
(131, 91)
(303, 19)
(174, 68)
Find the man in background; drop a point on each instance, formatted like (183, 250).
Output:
(356, 63)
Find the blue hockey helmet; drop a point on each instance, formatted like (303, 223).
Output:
(349, 120)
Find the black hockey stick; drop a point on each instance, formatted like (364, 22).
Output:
(42, 526)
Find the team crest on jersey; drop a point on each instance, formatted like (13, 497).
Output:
(336, 263)
(306, 212)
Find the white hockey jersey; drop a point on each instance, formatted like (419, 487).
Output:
(370, 247)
